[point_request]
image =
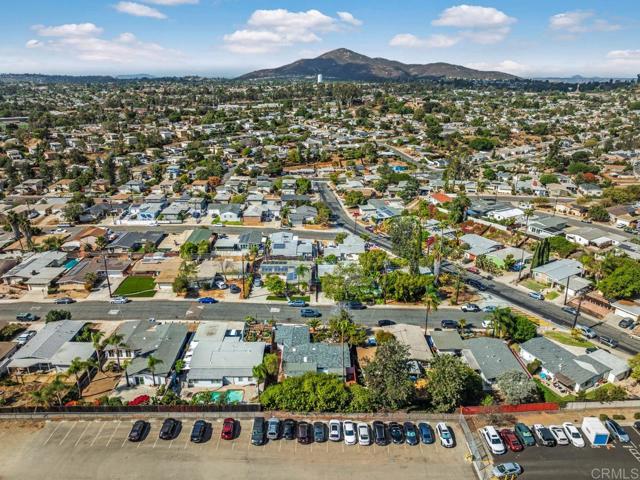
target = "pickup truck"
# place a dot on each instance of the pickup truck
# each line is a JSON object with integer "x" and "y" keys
{"x": 27, "y": 317}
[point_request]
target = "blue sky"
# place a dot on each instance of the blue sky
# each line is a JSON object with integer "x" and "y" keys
{"x": 229, "y": 37}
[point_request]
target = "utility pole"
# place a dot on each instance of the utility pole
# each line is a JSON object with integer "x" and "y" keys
{"x": 575, "y": 317}
{"x": 566, "y": 289}
{"x": 106, "y": 273}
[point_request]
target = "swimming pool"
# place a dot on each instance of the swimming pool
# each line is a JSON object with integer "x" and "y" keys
{"x": 233, "y": 396}
{"x": 71, "y": 263}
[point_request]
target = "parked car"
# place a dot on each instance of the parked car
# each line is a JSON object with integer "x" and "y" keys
{"x": 319, "y": 432}
{"x": 310, "y": 313}
{"x": 489, "y": 309}
{"x": 449, "y": 324}
{"x": 507, "y": 470}
{"x": 234, "y": 289}
{"x": 586, "y": 331}
{"x": 470, "y": 307}
{"x": 221, "y": 285}
{"x": 475, "y": 270}
{"x": 169, "y": 429}
{"x": 257, "y": 283}
{"x": 536, "y": 295}
{"x": 228, "y": 431}
{"x": 24, "y": 337}
{"x": 207, "y": 300}
{"x": 396, "y": 433}
{"x": 64, "y": 301}
{"x": 349, "y": 430}
{"x": 493, "y": 440}
{"x": 289, "y": 429}
{"x": 380, "y": 433}
{"x": 445, "y": 435}
{"x": 199, "y": 431}
{"x": 636, "y": 425}
{"x": 524, "y": 434}
{"x": 297, "y": 303}
{"x": 304, "y": 434}
{"x": 559, "y": 434}
{"x": 544, "y": 435}
{"x": 353, "y": 305}
{"x": 335, "y": 430}
{"x": 608, "y": 341}
{"x": 573, "y": 434}
{"x": 364, "y": 436}
{"x": 570, "y": 310}
{"x": 120, "y": 300}
{"x": 477, "y": 284}
{"x": 27, "y": 317}
{"x": 139, "y": 431}
{"x": 273, "y": 428}
{"x": 511, "y": 440}
{"x": 426, "y": 433}
{"x": 617, "y": 431}
{"x": 626, "y": 323}
{"x": 258, "y": 432}
{"x": 386, "y": 323}
{"x": 410, "y": 433}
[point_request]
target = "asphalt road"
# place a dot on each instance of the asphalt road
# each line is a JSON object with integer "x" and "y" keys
{"x": 187, "y": 310}
{"x": 518, "y": 298}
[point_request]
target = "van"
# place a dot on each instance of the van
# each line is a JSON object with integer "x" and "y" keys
{"x": 258, "y": 432}
{"x": 586, "y": 331}
{"x": 493, "y": 440}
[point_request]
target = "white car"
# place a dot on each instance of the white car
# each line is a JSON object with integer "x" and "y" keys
{"x": 487, "y": 324}
{"x": 558, "y": 433}
{"x": 364, "y": 438}
{"x": 445, "y": 436}
{"x": 335, "y": 430}
{"x": 119, "y": 300}
{"x": 575, "y": 437}
{"x": 59, "y": 231}
{"x": 493, "y": 440}
{"x": 349, "y": 431}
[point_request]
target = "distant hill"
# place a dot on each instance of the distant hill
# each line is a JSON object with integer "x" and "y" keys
{"x": 344, "y": 64}
{"x": 581, "y": 79}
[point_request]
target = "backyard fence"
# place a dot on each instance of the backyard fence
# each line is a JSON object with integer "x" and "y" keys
{"x": 106, "y": 409}
{"x": 526, "y": 407}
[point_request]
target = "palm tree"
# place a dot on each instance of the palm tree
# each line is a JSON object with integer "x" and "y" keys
{"x": 12, "y": 220}
{"x": 301, "y": 271}
{"x": 102, "y": 242}
{"x": 75, "y": 368}
{"x": 125, "y": 365}
{"x": 96, "y": 339}
{"x": 56, "y": 387}
{"x": 27, "y": 230}
{"x": 259, "y": 372}
{"x": 42, "y": 397}
{"x": 267, "y": 248}
{"x": 115, "y": 340}
{"x": 431, "y": 301}
{"x": 152, "y": 363}
{"x": 313, "y": 324}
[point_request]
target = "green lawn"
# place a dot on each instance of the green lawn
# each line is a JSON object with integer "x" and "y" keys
{"x": 550, "y": 395}
{"x": 535, "y": 286}
{"x": 567, "y": 339}
{"x": 552, "y": 295}
{"x": 137, "y": 287}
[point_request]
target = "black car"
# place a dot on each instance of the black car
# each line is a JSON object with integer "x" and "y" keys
{"x": 304, "y": 433}
{"x": 289, "y": 429}
{"x": 27, "y": 317}
{"x": 169, "y": 429}
{"x": 199, "y": 431}
{"x": 139, "y": 431}
{"x": 477, "y": 284}
{"x": 64, "y": 301}
{"x": 570, "y": 310}
{"x": 626, "y": 323}
{"x": 395, "y": 432}
{"x": 449, "y": 324}
{"x": 380, "y": 433}
{"x": 258, "y": 433}
{"x": 386, "y": 323}
{"x": 319, "y": 432}
{"x": 545, "y": 437}
{"x": 354, "y": 305}
{"x": 234, "y": 289}
{"x": 410, "y": 433}
{"x": 610, "y": 342}
{"x": 426, "y": 433}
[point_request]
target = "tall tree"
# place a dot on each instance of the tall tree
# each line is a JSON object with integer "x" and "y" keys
{"x": 387, "y": 376}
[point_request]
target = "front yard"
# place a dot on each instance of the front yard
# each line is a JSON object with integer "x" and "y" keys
{"x": 568, "y": 339}
{"x": 137, "y": 287}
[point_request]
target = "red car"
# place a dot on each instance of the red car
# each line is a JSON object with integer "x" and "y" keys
{"x": 228, "y": 429}
{"x": 473, "y": 270}
{"x": 510, "y": 440}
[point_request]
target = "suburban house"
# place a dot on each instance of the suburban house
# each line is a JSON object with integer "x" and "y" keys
{"x": 545, "y": 227}
{"x": 490, "y": 357}
{"x": 75, "y": 277}
{"x": 478, "y": 245}
{"x": 39, "y": 270}
{"x": 350, "y": 249}
{"x": 586, "y": 236}
{"x": 590, "y": 190}
{"x": 413, "y": 337}
{"x": 218, "y": 356}
{"x": 300, "y": 355}
{"x": 288, "y": 245}
{"x": 52, "y": 348}
{"x": 576, "y": 372}
{"x": 302, "y": 215}
{"x": 557, "y": 272}
{"x": 226, "y": 212}
{"x": 131, "y": 241}
{"x": 447, "y": 342}
{"x": 144, "y": 338}
{"x": 499, "y": 257}
{"x": 627, "y": 308}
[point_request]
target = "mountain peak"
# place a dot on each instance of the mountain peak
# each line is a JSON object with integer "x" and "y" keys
{"x": 344, "y": 54}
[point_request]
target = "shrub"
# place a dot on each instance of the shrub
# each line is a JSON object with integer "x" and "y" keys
{"x": 636, "y": 415}
{"x": 533, "y": 367}
{"x": 618, "y": 416}
{"x": 603, "y": 417}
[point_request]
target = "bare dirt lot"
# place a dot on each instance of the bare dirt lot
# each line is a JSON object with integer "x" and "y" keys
{"x": 97, "y": 449}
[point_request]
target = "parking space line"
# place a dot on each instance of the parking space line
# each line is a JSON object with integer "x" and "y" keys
{"x": 98, "y": 434}
{"x": 156, "y": 442}
{"x": 82, "y": 434}
{"x": 218, "y": 443}
{"x": 114, "y": 432}
{"x": 70, "y": 430}
{"x": 53, "y": 433}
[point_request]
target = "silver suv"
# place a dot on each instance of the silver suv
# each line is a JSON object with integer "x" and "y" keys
{"x": 273, "y": 428}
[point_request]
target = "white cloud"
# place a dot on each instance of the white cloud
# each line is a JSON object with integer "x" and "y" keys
{"x": 409, "y": 40}
{"x": 171, "y": 3}
{"x": 347, "y": 17}
{"x": 580, "y": 21}
{"x": 472, "y": 16}
{"x": 508, "y": 66}
{"x": 68, "y": 30}
{"x": 139, "y": 10}
{"x": 34, "y": 44}
{"x": 271, "y": 30}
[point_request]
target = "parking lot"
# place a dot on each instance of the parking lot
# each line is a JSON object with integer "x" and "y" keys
{"x": 616, "y": 460}
{"x": 80, "y": 449}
